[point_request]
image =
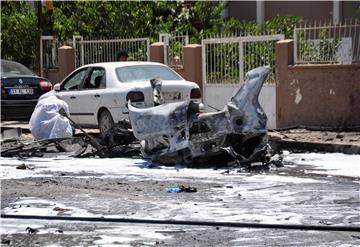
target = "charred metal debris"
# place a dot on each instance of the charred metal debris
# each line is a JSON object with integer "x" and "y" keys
{"x": 175, "y": 133}
{"x": 121, "y": 143}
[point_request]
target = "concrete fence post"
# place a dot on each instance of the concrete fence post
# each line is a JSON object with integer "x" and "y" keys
{"x": 157, "y": 52}
{"x": 283, "y": 58}
{"x": 284, "y": 54}
{"x": 193, "y": 64}
{"x": 66, "y": 55}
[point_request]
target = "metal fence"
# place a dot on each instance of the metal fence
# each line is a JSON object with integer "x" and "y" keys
{"x": 48, "y": 52}
{"x": 96, "y": 51}
{"x": 324, "y": 43}
{"x": 226, "y": 60}
{"x": 173, "y": 49}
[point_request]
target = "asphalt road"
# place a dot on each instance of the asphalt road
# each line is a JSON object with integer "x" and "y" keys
{"x": 311, "y": 189}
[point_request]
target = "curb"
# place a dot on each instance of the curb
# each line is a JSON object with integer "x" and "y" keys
{"x": 297, "y": 146}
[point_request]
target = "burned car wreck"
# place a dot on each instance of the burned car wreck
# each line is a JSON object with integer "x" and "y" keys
{"x": 179, "y": 132}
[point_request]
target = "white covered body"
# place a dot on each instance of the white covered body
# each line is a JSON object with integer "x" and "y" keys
{"x": 46, "y": 122}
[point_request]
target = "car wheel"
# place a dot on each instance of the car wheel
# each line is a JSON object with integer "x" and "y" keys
{"x": 106, "y": 122}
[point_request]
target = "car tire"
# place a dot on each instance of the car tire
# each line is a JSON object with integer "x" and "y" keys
{"x": 106, "y": 122}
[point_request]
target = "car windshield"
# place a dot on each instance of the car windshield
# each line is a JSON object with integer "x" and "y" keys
{"x": 137, "y": 73}
{"x": 11, "y": 68}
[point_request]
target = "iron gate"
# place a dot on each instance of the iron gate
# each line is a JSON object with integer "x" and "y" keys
{"x": 225, "y": 62}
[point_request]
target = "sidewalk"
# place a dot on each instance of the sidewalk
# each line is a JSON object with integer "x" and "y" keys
{"x": 316, "y": 141}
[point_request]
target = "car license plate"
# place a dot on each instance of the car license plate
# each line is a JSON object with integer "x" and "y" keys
{"x": 172, "y": 95}
{"x": 18, "y": 91}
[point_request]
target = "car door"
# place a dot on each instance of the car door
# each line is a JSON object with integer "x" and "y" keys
{"x": 69, "y": 91}
{"x": 90, "y": 95}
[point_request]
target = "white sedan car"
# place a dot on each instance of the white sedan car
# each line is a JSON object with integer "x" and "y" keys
{"x": 97, "y": 94}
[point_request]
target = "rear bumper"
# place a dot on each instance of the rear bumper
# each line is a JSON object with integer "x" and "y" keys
{"x": 17, "y": 109}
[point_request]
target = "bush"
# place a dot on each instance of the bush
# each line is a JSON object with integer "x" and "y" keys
{"x": 19, "y": 32}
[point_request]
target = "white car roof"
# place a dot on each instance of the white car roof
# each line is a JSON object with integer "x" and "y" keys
{"x": 121, "y": 64}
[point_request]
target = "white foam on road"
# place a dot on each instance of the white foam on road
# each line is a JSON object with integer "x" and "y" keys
{"x": 106, "y": 234}
{"x": 330, "y": 163}
{"x": 37, "y": 206}
{"x": 334, "y": 164}
{"x": 101, "y": 168}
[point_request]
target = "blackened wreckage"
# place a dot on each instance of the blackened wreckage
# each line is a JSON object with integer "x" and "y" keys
{"x": 179, "y": 133}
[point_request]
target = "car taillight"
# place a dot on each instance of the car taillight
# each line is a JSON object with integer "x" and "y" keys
{"x": 45, "y": 85}
{"x": 195, "y": 93}
{"x": 2, "y": 89}
{"x": 135, "y": 96}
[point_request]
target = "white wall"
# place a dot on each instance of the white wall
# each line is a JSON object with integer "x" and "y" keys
{"x": 218, "y": 95}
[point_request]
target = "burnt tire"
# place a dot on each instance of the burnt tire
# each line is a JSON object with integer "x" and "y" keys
{"x": 106, "y": 122}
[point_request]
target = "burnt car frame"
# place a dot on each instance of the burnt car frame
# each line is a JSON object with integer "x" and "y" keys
{"x": 179, "y": 133}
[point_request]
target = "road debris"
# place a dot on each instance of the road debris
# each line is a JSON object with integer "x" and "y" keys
{"x": 119, "y": 142}
{"x": 78, "y": 147}
{"x": 23, "y": 166}
{"x": 31, "y": 230}
{"x": 11, "y": 134}
{"x": 181, "y": 188}
{"x": 188, "y": 189}
{"x": 174, "y": 190}
{"x": 24, "y": 149}
{"x": 101, "y": 150}
{"x": 60, "y": 210}
{"x": 5, "y": 241}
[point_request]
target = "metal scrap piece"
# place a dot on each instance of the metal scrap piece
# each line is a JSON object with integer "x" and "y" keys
{"x": 22, "y": 149}
{"x": 13, "y": 133}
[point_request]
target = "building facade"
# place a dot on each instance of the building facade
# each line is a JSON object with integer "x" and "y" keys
{"x": 261, "y": 11}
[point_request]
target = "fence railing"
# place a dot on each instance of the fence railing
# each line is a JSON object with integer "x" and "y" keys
{"x": 226, "y": 60}
{"x": 324, "y": 43}
{"x": 173, "y": 49}
{"x": 96, "y": 51}
{"x": 48, "y": 52}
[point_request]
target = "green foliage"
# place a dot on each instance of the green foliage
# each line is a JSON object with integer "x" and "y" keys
{"x": 116, "y": 19}
{"x": 277, "y": 25}
{"x": 18, "y": 32}
{"x": 322, "y": 50}
{"x": 122, "y": 19}
{"x": 206, "y": 19}
{"x": 110, "y": 19}
{"x": 282, "y": 25}
{"x": 240, "y": 28}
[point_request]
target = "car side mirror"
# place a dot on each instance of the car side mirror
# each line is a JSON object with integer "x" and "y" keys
{"x": 57, "y": 87}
